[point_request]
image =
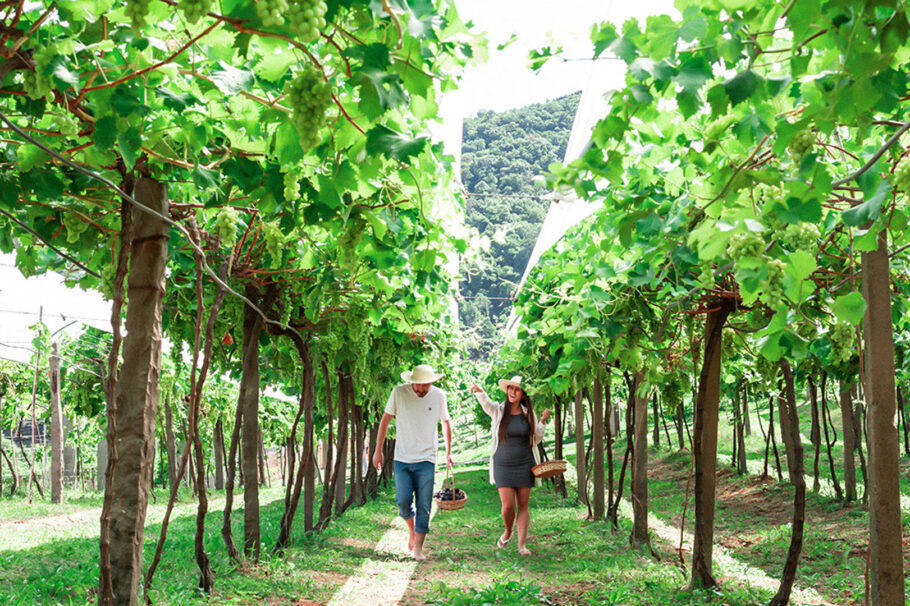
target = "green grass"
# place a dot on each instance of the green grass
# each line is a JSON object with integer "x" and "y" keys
{"x": 575, "y": 561}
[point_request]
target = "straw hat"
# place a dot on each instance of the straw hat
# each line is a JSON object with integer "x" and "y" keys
{"x": 514, "y": 381}
{"x": 422, "y": 373}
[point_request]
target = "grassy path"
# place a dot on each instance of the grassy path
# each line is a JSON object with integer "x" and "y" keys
{"x": 360, "y": 559}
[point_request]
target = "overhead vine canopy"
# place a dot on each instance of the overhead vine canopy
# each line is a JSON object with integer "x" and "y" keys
{"x": 294, "y": 136}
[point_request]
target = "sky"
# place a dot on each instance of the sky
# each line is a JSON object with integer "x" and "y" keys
{"x": 504, "y": 82}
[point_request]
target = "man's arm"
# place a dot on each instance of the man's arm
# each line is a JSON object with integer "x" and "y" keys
{"x": 380, "y": 440}
{"x": 447, "y": 434}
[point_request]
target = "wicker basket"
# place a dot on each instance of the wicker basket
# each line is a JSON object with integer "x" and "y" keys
{"x": 548, "y": 469}
{"x": 454, "y": 504}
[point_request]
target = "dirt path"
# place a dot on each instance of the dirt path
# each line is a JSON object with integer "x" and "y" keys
{"x": 61, "y": 522}
{"x": 384, "y": 579}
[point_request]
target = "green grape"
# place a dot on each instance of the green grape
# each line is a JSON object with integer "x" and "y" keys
{"x": 807, "y": 330}
{"x": 274, "y": 242}
{"x": 901, "y": 177}
{"x": 291, "y": 185}
{"x": 226, "y": 223}
{"x": 36, "y": 83}
{"x": 773, "y": 285}
{"x": 706, "y": 277}
{"x": 138, "y": 11}
{"x": 106, "y": 284}
{"x": 802, "y": 236}
{"x": 714, "y": 129}
{"x": 67, "y": 124}
{"x": 347, "y": 243}
{"x": 307, "y": 17}
{"x": 630, "y": 358}
{"x": 287, "y": 305}
{"x": 74, "y": 227}
{"x": 842, "y": 337}
{"x": 271, "y": 12}
{"x": 801, "y": 144}
{"x": 309, "y": 96}
{"x": 194, "y": 10}
{"x": 745, "y": 245}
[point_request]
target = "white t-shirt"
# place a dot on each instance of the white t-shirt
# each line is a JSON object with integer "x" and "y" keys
{"x": 416, "y": 422}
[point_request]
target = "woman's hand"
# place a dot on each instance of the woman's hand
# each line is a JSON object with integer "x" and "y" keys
{"x": 545, "y": 415}
{"x": 476, "y": 388}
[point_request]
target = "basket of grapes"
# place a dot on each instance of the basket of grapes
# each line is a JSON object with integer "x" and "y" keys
{"x": 449, "y": 497}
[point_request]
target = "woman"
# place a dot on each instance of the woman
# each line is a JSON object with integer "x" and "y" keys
{"x": 516, "y": 434}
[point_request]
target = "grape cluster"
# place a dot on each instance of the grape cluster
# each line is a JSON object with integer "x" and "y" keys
{"x": 745, "y": 245}
{"x": 347, "y": 243}
{"x": 307, "y": 17}
{"x": 291, "y": 185}
{"x": 842, "y": 336}
{"x": 67, "y": 124}
{"x": 449, "y": 494}
{"x": 773, "y": 285}
{"x": 801, "y": 144}
{"x": 274, "y": 242}
{"x": 138, "y": 11}
{"x": 309, "y": 96}
{"x": 801, "y": 236}
{"x": 630, "y": 359}
{"x": 74, "y": 227}
{"x": 226, "y": 222}
{"x": 194, "y": 10}
{"x": 271, "y": 12}
{"x": 902, "y": 175}
{"x": 36, "y": 83}
{"x": 106, "y": 284}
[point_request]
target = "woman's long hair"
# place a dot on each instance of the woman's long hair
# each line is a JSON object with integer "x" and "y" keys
{"x": 529, "y": 415}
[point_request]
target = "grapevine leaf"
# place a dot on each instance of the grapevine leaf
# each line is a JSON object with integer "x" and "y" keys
{"x": 663, "y": 31}
{"x": 29, "y": 156}
{"x": 231, "y": 80}
{"x": 287, "y": 144}
{"x": 275, "y": 60}
{"x": 385, "y": 141}
{"x": 741, "y": 86}
{"x": 624, "y": 49}
{"x": 850, "y": 307}
{"x": 801, "y": 264}
{"x": 379, "y": 91}
{"x": 206, "y": 178}
{"x": 603, "y": 36}
{"x": 870, "y": 209}
{"x": 693, "y": 74}
{"x": 129, "y": 146}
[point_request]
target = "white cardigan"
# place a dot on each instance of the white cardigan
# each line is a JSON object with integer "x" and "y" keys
{"x": 496, "y": 410}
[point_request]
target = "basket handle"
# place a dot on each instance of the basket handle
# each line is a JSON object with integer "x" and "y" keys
{"x": 450, "y": 477}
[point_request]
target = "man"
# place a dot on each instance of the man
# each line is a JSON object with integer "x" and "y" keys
{"x": 418, "y": 406}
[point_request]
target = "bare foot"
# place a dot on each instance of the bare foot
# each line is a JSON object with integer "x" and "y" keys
{"x": 411, "y": 540}
{"x": 419, "y": 555}
{"x": 524, "y": 550}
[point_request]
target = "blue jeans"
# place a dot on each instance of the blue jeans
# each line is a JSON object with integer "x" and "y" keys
{"x": 414, "y": 482}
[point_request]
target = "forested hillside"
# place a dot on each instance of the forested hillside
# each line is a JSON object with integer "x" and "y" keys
{"x": 501, "y": 155}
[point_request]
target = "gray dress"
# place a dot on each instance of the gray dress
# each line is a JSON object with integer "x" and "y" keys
{"x": 513, "y": 459}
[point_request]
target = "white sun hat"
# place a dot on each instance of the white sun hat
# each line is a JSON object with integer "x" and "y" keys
{"x": 514, "y": 381}
{"x": 422, "y": 373}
